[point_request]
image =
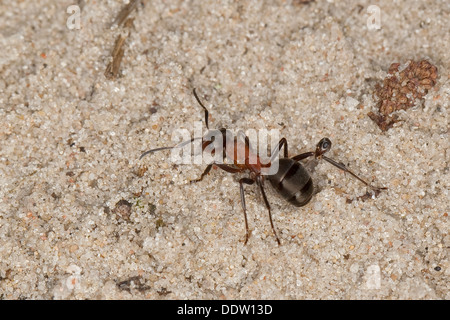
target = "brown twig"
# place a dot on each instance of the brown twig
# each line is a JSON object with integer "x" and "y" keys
{"x": 112, "y": 70}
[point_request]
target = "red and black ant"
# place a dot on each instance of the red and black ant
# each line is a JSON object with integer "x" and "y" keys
{"x": 292, "y": 181}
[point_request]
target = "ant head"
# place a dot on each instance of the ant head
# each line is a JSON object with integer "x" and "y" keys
{"x": 322, "y": 147}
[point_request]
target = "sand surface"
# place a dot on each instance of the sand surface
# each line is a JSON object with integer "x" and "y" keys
{"x": 81, "y": 217}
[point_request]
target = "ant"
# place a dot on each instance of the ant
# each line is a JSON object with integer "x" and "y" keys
{"x": 292, "y": 181}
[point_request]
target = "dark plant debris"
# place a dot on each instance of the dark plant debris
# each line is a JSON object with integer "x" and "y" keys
{"x": 123, "y": 209}
{"x": 368, "y": 195}
{"x": 135, "y": 282}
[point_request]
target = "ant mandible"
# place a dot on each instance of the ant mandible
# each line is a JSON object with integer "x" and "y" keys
{"x": 292, "y": 181}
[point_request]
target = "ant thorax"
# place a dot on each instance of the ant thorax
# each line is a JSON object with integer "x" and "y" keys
{"x": 248, "y": 151}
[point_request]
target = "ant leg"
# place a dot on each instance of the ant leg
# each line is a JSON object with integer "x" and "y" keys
{"x": 228, "y": 168}
{"x": 207, "y": 170}
{"x": 204, "y": 108}
{"x": 224, "y": 167}
{"x": 344, "y": 168}
{"x": 261, "y": 186}
{"x": 241, "y": 184}
{"x": 246, "y": 139}
{"x": 282, "y": 143}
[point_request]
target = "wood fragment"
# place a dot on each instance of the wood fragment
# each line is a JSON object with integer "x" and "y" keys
{"x": 125, "y": 12}
{"x": 122, "y": 19}
{"x": 112, "y": 70}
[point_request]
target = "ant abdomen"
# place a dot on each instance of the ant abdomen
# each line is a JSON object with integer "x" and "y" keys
{"x": 292, "y": 182}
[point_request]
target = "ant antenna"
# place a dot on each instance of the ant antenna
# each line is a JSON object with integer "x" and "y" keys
{"x": 182, "y": 144}
{"x": 204, "y": 108}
